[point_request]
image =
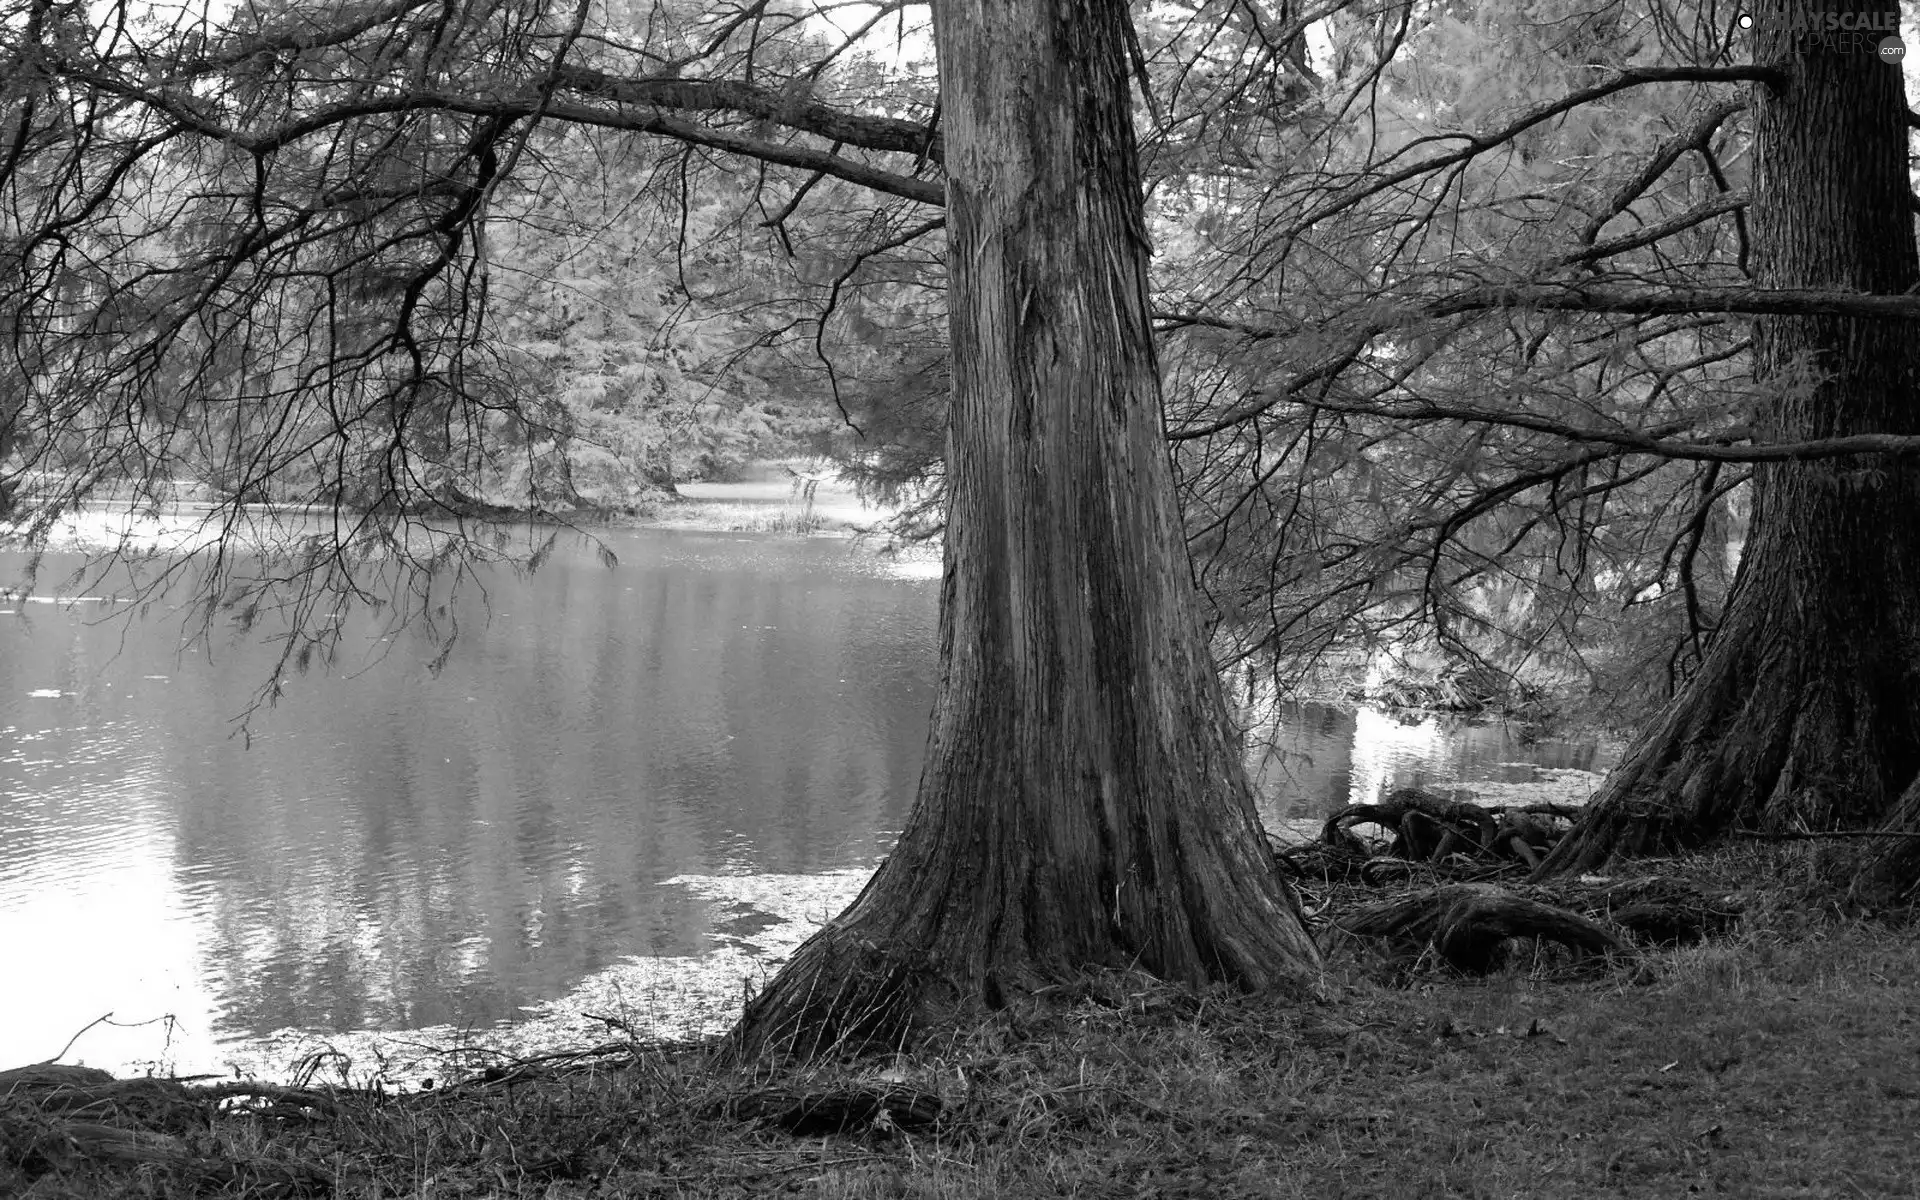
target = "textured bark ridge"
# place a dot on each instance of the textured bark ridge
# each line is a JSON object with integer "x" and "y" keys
{"x": 1083, "y": 803}
{"x": 1806, "y": 710}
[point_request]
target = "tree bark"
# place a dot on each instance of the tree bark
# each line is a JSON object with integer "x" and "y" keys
{"x": 1082, "y": 804}
{"x": 1806, "y": 710}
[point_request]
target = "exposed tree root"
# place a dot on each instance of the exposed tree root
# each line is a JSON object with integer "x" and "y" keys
{"x": 1424, "y": 824}
{"x": 1431, "y": 834}
{"x": 1467, "y": 923}
{"x": 1659, "y": 909}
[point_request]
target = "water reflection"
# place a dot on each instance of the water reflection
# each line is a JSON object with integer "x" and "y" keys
{"x": 398, "y": 849}
{"x": 1309, "y": 760}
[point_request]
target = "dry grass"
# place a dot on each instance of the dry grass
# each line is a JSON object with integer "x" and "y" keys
{"x": 1779, "y": 1063}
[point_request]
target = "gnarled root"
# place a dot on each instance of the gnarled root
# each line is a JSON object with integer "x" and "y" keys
{"x": 1424, "y": 825}
{"x": 1466, "y": 923}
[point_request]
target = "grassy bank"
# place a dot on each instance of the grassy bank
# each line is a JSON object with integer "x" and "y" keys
{"x": 1783, "y": 1060}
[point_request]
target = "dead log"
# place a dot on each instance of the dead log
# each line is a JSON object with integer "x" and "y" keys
{"x": 1467, "y": 923}
{"x": 41, "y": 1145}
{"x": 36, "y": 1079}
{"x": 72, "y": 1145}
{"x": 87, "y": 1094}
{"x": 68, "y": 1120}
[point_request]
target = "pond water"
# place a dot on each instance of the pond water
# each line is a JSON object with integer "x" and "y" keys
{"x": 626, "y": 791}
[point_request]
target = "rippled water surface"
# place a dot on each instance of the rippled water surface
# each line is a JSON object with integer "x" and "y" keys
{"x": 625, "y": 790}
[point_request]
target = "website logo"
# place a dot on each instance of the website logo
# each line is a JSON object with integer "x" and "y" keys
{"x": 1876, "y": 34}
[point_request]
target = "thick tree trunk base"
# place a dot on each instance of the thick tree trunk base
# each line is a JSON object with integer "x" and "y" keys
{"x": 844, "y": 995}
{"x": 1775, "y": 733}
{"x": 1619, "y": 833}
{"x": 869, "y": 983}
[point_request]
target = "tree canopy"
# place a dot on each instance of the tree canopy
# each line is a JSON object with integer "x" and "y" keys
{"x": 1453, "y": 300}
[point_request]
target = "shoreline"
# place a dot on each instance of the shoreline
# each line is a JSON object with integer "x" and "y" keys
{"x": 190, "y": 526}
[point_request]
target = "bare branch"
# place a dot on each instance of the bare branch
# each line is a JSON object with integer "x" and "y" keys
{"x": 1694, "y": 137}
{"x": 261, "y": 143}
{"x": 1658, "y": 301}
{"x": 1477, "y": 144}
{"x": 726, "y": 95}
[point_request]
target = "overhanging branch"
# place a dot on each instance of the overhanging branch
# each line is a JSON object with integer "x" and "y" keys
{"x": 1664, "y": 301}
{"x": 1626, "y": 300}
{"x": 726, "y": 95}
{"x": 1575, "y": 297}
{"x": 190, "y": 115}
{"x": 1731, "y": 445}
{"x": 1472, "y": 145}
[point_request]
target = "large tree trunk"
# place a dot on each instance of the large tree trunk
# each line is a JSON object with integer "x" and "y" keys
{"x": 1806, "y": 709}
{"x": 1082, "y": 804}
